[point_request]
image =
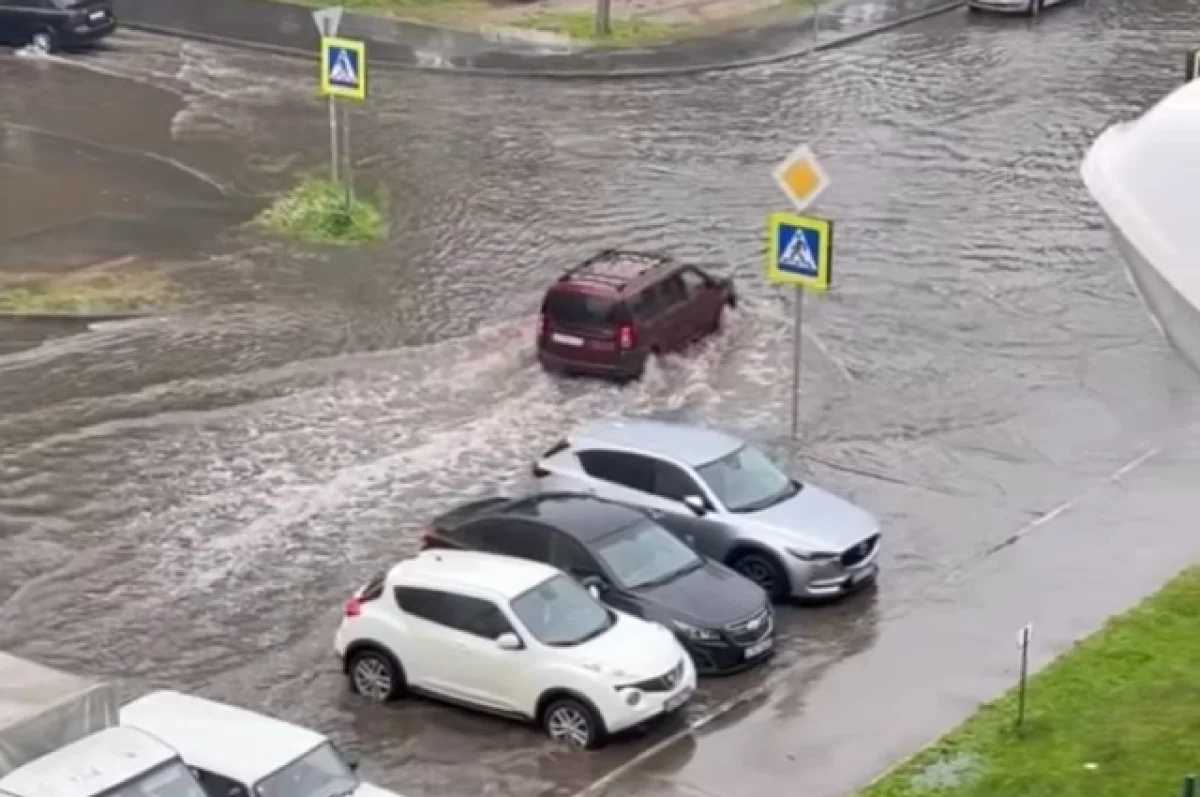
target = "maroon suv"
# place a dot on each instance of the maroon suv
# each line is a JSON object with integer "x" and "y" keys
{"x": 606, "y": 316}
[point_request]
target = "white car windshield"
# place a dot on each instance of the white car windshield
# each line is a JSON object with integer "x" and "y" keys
{"x": 321, "y": 773}
{"x": 645, "y": 555}
{"x": 746, "y": 480}
{"x": 561, "y": 613}
{"x": 172, "y": 779}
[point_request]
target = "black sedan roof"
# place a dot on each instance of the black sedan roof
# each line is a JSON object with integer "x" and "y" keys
{"x": 583, "y": 517}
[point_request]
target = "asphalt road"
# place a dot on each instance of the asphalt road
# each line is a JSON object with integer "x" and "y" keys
{"x": 187, "y": 501}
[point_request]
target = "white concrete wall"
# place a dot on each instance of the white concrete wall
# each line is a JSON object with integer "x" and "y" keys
{"x": 1145, "y": 176}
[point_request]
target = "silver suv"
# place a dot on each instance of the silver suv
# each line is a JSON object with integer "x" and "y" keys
{"x": 726, "y": 499}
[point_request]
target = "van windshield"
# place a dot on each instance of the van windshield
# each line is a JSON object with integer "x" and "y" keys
{"x": 172, "y": 779}
{"x": 581, "y": 309}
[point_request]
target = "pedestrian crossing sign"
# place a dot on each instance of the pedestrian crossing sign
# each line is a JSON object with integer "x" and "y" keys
{"x": 343, "y": 68}
{"x": 800, "y": 251}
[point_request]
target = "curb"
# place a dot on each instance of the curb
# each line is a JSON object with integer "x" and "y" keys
{"x": 616, "y": 74}
{"x": 69, "y": 318}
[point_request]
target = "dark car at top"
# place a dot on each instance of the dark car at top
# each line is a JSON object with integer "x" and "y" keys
{"x": 608, "y": 315}
{"x": 631, "y": 563}
{"x": 51, "y": 25}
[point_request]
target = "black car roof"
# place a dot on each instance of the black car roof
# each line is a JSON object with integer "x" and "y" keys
{"x": 584, "y": 517}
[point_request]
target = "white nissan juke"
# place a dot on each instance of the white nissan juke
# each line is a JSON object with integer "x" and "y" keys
{"x": 510, "y": 637}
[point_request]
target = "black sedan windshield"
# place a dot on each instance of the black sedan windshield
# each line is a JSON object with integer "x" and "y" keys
{"x": 561, "y": 613}
{"x": 645, "y": 554}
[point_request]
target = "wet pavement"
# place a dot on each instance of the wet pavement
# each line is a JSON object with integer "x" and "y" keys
{"x": 187, "y": 501}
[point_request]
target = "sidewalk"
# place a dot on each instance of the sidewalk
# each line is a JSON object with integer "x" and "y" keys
{"x": 828, "y": 733}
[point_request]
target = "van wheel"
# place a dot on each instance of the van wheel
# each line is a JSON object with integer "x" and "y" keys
{"x": 572, "y": 723}
{"x": 764, "y": 571}
{"x": 376, "y": 675}
{"x": 44, "y": 41}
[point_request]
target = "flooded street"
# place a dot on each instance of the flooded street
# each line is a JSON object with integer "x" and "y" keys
{"x": 187, "y": 501}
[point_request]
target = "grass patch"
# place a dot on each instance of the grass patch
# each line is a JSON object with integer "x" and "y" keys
{"x": 88, "y": 293}
{"x": 316, "y": 211}
{"x": 1118, "y": 716}
{"x": 582, "y": 26}
{"x": 433, "y": 11}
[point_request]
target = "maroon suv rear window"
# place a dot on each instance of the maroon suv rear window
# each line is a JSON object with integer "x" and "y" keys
{"x": 581, "y": 309}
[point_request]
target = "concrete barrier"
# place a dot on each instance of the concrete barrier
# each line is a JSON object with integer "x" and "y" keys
{"x": 289, "y": 29}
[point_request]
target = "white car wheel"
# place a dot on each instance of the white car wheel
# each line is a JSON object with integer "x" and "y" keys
{"x": 374, "y": 676}
{"x": 573, "y": 724}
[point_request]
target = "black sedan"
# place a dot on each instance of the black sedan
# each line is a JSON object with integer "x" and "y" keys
{"x": 49, "y": 25}
{"x": 631, "y": 563}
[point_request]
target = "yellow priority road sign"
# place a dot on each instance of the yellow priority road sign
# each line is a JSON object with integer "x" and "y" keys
{"x": 801, "y": 177}
{"x": 343, "y": 68}
{"x": 799, "y": 251}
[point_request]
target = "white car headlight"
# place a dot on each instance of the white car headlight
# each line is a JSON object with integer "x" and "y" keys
{"x": 692, "y": 632}
{"x": 812, "y": 556}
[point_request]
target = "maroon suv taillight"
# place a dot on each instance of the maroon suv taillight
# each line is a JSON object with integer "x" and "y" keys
{"x": 541, "y": 325}
{"x": 625, "y": 337}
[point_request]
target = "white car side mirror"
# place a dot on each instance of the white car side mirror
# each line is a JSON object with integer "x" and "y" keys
{"x": 696, "y": 504}
{"x": 509, "y": 641}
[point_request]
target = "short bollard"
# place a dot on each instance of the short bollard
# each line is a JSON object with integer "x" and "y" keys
{"x": 1189, "y": 786}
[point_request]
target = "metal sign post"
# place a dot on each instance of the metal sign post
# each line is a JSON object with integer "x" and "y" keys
{"x": 1024, "y": 637}
{"x": 348, "y": 171}
{"x": 344, "y": 75}
{"x": 797, "y": 340}
{"x": 799, "y": 253}
{"x": 328, "y": 20}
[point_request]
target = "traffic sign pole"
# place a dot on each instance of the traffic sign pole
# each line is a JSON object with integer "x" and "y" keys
{"x": 327, "y": 21}
{"x": 348, "y": 170}
{"x": 797, "y": 340}
{"x": 333, "y": 138}
{"x": 799, "y": 252}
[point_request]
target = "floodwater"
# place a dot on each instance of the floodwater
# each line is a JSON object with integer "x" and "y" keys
{"x": 187, "y": 501}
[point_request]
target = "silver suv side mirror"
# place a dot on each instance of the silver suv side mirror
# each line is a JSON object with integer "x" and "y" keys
{"x": 696, "y": 504}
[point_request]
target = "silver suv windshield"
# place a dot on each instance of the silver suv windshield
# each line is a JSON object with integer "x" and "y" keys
{"x": 746, "y": 480}
{"x": 321, "y": 773}
{"x": 561, "y": 613}
{"x": 172, "y": 779}
{"x": 645, "y": 554}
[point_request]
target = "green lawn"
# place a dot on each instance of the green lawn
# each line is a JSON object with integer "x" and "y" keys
{"x": 446, "y": 12}
{"x": 85, "y": 293}
{"x": 319, "y": 210}
{"x": 1118, "y": 716}
{"x": 582, "y": 26}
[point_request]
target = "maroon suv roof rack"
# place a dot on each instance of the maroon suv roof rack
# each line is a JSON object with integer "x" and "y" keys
{"x": 616, "y": 267}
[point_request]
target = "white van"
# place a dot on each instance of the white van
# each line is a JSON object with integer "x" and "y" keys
{"x": 114, "y": 762}
{"x": 234, "y": 752}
